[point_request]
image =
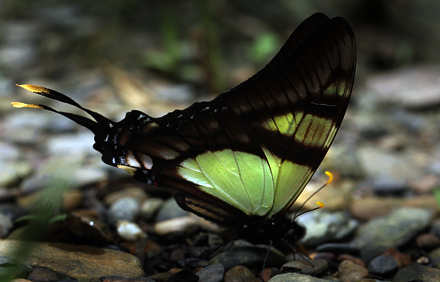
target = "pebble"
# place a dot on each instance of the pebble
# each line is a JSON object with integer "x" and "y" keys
{"x": 211, "y": 273}
{"x": 383, "y": 266}
{"x": 133, "y": 192}
{"x": 178, "y": 226}
{"x": 289, "y": 277}
{"x": 349, "y": 271}
{"x": 239, "y": 273}
{"x": 88, "y": 228}
{"x": 126, "y": 208}
{"x": 150, "y": 207}
{"x": 169, "y": 210}
{"x": 388, "y": 186}
{"x": 11, "y": 210}
{"x": 249, "y": 256}
{"x": 417, "y": 272}
{"x": 312, "y": 267}
{"x": 401, "y": 225}
{"x": 427, "y": 241}
{"x": 8, "y": 151}
{"x": 130, "y": 231}
{"x": 5, "y": 225}
{"x": 324, "y": 226}
{"x": 83, "y": 263}
{"x": 39, "y": 274}
{"x": 13, "y": 171}
{"x": 339, "y": 248}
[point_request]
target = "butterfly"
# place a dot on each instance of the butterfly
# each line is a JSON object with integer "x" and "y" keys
{"x": 242, "y": 159}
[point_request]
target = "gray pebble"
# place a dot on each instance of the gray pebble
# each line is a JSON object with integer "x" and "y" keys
{"x": 123, "y": 209}
{"x": 323, "y": 227}
{"x": 394, "y": 230}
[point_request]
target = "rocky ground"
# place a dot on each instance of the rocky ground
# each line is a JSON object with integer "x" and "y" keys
{"x": 65, "y": 216}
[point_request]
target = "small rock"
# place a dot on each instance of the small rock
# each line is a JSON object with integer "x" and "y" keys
{"x": 249, "y": 256}
{"x": 402, "y": 259}
{"x": 378, "y": 235}
{"x": 313, "y": 267}
{"x": 239, "y": 273}
{"x": 11, "y": 210}
{"x": 5, "y": 225}
{"x": 130, "y": 231}
{"x": 427, "y": 241}
{"x": 126, "y": 208}
{"x": 211, "y": 273}
{"x": 354, "y": 259}
{"x": 180, "y": 225}
{"x": 417, "y": 272}
{"x": 323, "y": 227}
{"x": 349, "y": 271}
{"x": 384, "y": 266}
{"x": 388, "y": 186}
{"x": 88, "y": 228}
{"x": 339, "y": 248}
{"x": 289, "y": 277}
{"x": 135, "y": 193}
{"x": 150, "y": 207}
{"x": 8, "y": 151}
{"x": 83, "y": 263}
{"x": 39, "y": 274}
{"x": 13, "y": 171}
{"x": 124, "y": 279}
{"x": 169, "y": 210}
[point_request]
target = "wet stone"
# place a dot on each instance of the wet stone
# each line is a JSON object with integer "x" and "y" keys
{"x": 123, "y": 209}
{"x": 339, "y": 248}
{"x": 323, "y": 227}
{"x": 88, "y": 228}
{"x": 39, "y": 274}
{"x": 401, "y": 225}
{"x": 211, "y": 273}
{"x": 249, "y": 256}
{"x": 417, "y": 272}
{"x": 384, "y": 266}
{"x": 312, "y": 267}
{"x": 349, "y": 271}
{"x": 130, "y": 231}
{"x": 150, "y": 207}
{"x": 169, "y": 210}
{"x": 239, "y": 273}
{"x": 5, "y": 225}
{"x": 427, "y": 241}
{"x": 289, "y": 277}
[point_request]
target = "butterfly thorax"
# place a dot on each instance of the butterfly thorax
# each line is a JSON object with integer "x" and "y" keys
{"x": 258, "y": 231}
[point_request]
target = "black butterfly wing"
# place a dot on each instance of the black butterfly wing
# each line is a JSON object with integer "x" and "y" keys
{"x": 250, "y": 151}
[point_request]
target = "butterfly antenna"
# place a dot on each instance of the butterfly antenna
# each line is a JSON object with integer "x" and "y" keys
{"x": 52, "y": 94}
{"x": 295, "y": 252}
{"x": 267, "y": 254}
{"x": 320, "y": 204}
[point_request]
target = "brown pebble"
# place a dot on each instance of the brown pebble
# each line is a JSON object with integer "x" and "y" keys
{"x": 324, "y": 255}
{"x": 39, "y": 274}
{"x": 269, "y": 272}
{"x": 402, "y": 259}
{"x": 72, "y": 199}
{"x": 239, "y": 274}
{"x": 352, "y": 258}
{"x": 350, "y": 272}
{"x": 427, "y": 241}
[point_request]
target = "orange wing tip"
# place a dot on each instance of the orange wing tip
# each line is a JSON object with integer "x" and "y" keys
{"x": 24, "y": 105}
{"x": 320, "y": 204}
{"x": 34, "y": 88}
{"x": 330, "y": 177}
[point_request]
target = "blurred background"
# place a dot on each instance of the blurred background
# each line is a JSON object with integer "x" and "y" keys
{"x": 156, "y": 56}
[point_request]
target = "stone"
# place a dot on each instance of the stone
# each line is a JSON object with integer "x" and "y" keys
{"x": 82, "y": 263}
